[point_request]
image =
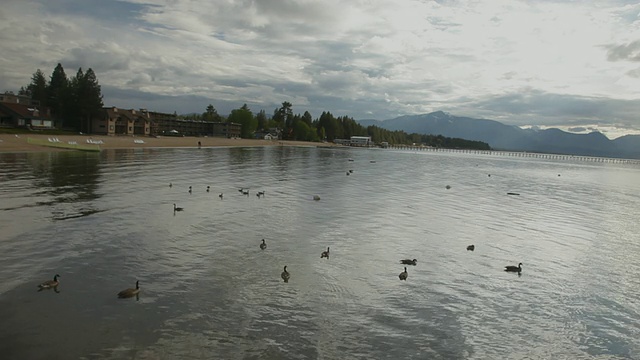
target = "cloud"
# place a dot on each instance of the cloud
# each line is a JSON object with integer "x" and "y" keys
{"x": 518, "y": 62}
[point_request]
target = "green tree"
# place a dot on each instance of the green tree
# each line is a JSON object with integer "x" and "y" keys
{"x": 244, "y": 117}
{"x": 58, "y": 93}
{"x": 211, "y": 114}
{"x": 262, "y": 120}
{"x": 38, "y": 88}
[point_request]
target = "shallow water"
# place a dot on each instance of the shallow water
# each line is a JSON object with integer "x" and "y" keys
{"x": 103, "y": 221}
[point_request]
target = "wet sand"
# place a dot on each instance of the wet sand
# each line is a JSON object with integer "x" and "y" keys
{"x": 13, "y": 143}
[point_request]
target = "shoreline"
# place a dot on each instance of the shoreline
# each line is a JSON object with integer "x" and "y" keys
{"x": 10, "y": 143}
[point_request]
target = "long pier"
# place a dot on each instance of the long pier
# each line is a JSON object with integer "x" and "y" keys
{"x": 523, "y": 154}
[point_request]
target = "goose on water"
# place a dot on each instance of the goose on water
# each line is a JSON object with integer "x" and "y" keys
{"x": 325, "y": 254}
{"x": 409, "y": 261}
{"x": 127, "y": 293}
{"x": 403, "y": 275}
{"x": 263, "y": 245}
{"x": 511, "y": 268}
{"x": 285, "y": 275}
{"x": 176, "y": 208}
{"x": 50, "y": 283}
{"x": 471, "y": 247}
{"x": 207, "y": 188}
{"x": 220, "y": 196}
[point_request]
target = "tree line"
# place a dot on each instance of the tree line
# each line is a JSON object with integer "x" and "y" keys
{"x": 73, "y": 101}
{"x": 327, "y": 127}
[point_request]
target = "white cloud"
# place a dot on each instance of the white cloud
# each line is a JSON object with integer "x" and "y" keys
{"x": 520, "y": 62}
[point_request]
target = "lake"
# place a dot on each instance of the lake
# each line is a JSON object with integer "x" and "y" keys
{"x": 102, "y": 221}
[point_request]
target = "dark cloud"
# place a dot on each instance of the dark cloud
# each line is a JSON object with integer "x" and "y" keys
{"x": 629, "y": 52}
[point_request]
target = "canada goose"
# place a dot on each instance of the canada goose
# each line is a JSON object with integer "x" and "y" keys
{"x": 50, "y": 283}
{"x": 316, "y": 197}
{"x": 403, "y": 275}
{"x": 261, "y": 193}
{"x": 351, "y": 171}
{"x": 409, "y": 262}
{"x": 511, "y": 268}
{"x": 175, "y": 208}
{"x": 220, "y": 196}
{"x": 127, "y": 293}
{"x": 170, "y": 184}
{"x": 471, "y": 247}
{"x": 207, "y": 188}
{"x": 241, "y": 190}
{"x": 245, "y": 192}
{"x": 190, "y": 190}
{"x": 263, "y": 245}
{"x": 325, "y": 254}
{"x": 348, "y": 173}
{"x": 285, "y": 275}
{"x": 448, "y": 187}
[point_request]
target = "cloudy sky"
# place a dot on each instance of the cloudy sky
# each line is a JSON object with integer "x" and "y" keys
{"x": 571, "y": 64}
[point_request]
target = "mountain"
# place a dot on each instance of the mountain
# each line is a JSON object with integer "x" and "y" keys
{"x": 508, "y": 137}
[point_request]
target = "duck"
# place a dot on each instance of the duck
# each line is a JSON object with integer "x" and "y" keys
{"x": 409, "y": 261}
{"x": 221, "y": 195}
{"x": 207, "y": 188}
{"x": 50, "y": 283}
{"x": 176, "y": 208}
{"x": 285, "y": 275}
{"x": 403, "y": 275}
{"x": 263, "y": 245}
{"x": 127, "y": 293}
{"x": 471, "y": 247}
{"x": 325, "y": 254}
{"x": 511, "y": 268}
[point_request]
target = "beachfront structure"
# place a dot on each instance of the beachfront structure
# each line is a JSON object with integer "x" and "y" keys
{"x": 26, "y": 115}
{"x": 115, "y": 121}
{"x": 360, "y": 140}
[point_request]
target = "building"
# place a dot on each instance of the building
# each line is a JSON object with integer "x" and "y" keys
{"x": 360, "y": 141}
{"x": 114, "y": 121}
{"x": 23, "y": 115}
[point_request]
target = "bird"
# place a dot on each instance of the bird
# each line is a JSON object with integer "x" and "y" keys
{"x": 220, "y": 196}
{"x": 263, "y": 245}
{"x": 285, "y": 275}
{"x": 245, "y": 192}
{"x": 348, "y": 173}
{"x": 351, "y": 171}
{"x": 448, "y": 187}
{"x": 207, "y": 188}
{"x": 176, "y": 208}
{"x": 511, "y": 268}
{"x": 189, "y": 189}
{"x": 241, "y": 190}
{"x": 50, "y": 283}
{"x": 316, "y": 197}
{"x": 403, "y": 275}
{"x": 325, "y": 254}
{"x": 170, "y": 185}
{"x": 127, "y": 293}
{"x": 471, "y": 247}
{"x": 409, "y": 261}
{"x": 261, "y": 193}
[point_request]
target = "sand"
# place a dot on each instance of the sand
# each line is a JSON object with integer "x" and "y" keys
{"x": 18, "y": 143}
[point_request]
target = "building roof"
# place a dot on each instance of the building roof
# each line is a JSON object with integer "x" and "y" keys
{"x": 23, "y": 111}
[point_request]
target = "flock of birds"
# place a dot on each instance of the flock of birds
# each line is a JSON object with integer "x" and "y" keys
{"x": 285, "y": 275}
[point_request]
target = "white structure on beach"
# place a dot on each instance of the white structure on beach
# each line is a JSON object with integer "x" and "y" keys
{"x": 360, "y": 140}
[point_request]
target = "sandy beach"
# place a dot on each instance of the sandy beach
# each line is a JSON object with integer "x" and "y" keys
{"x": 18, "y": 143}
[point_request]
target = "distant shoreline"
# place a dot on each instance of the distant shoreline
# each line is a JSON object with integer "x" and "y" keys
{"x": 18, "y": 143}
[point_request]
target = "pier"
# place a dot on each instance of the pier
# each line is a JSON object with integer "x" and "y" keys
{"x": 523, "y": 154}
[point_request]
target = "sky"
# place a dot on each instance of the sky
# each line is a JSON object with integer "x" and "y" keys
{"x": 574, "y": 65}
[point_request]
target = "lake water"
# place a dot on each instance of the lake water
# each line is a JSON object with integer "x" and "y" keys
{"x": 103, "y": 221}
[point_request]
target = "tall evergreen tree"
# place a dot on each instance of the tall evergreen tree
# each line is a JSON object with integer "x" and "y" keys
{"x": 38, "y": 88}
{"x": 262, "y": 120}
{"x": 58, "y": 93}
{"x": 89, "y": 99}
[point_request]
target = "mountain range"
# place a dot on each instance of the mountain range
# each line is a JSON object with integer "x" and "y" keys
{"x": 510, "y": 137}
